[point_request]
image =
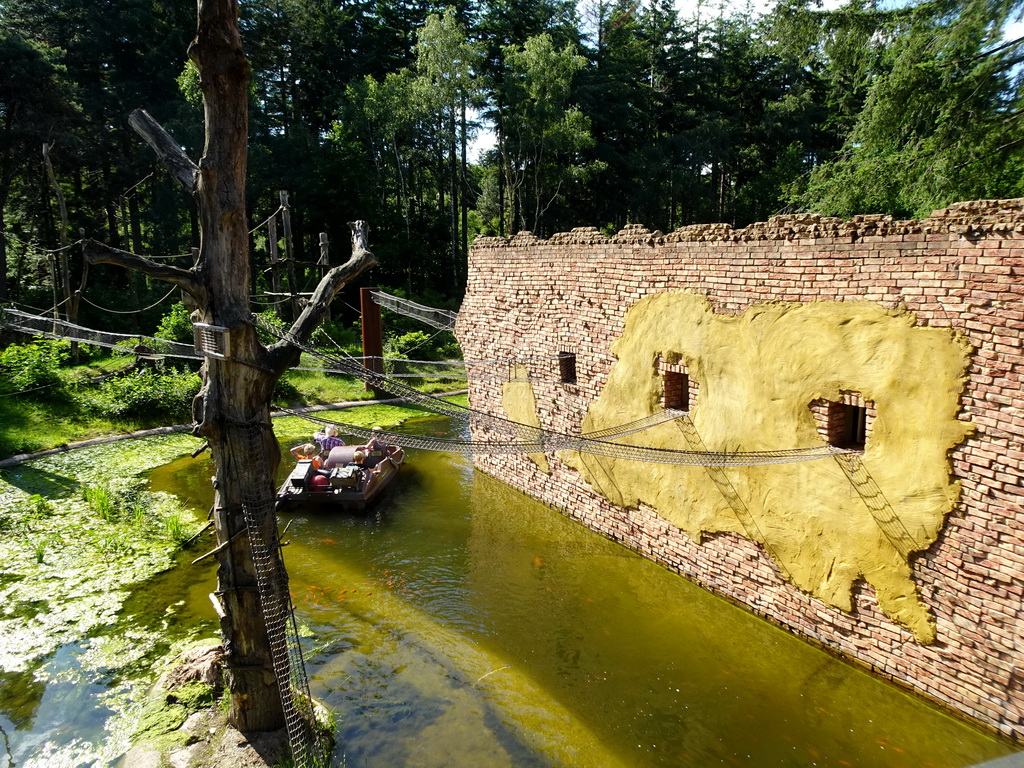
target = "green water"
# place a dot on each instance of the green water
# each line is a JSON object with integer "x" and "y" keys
{"x": 462, "y": 624}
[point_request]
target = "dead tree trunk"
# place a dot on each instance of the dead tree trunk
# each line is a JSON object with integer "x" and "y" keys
{"x": 232, "y": 410}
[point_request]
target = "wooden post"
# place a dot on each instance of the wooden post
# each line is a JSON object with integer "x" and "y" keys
{"x": 286, "y": 226}
{"x": 373, "y": 341}
{"x": 323, "y": 262}
{"x": 275, "y": 261}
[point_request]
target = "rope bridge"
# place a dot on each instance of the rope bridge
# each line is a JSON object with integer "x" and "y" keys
{"x": 523, "y": 438}
{"x": 441, "y": 319}
{"x": 54, "y": 328}
{"x": 527, "y": 438}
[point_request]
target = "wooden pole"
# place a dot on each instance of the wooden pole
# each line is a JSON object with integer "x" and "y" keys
{"x": 286, "y": 227}
{"x": 324, "y": 261}
{"x": 275, "y": 261}
{"x": 373, "y": 341}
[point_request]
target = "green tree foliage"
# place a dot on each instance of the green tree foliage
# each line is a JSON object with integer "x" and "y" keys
{"x": 543, "y": 132}
{"x": 445, "y": 89}
{"x": 603, "y": 114}
{"x": 106, "y": 59}
{"x": 36, "y": 107}
{"x": 415, "y": 123}
{"x": 941, "y": 114}
{"x": 176, "y": 325}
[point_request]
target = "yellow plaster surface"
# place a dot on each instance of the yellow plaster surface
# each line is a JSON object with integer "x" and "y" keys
{"x": 757, "y": 373}
{"x": 520, "y": 405}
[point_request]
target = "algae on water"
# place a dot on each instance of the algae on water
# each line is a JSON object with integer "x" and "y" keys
{"x": 69, "y": 569}
{"x": 59, "y": 552}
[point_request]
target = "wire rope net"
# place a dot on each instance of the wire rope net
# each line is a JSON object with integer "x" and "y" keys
{"x": 527, "y": 438}
{"x": 442, "y": 319}
{"x": 308, "y": 742}
{"x": 62, "y": 329}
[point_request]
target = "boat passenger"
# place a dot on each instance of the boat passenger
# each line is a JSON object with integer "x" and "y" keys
{"x": 307, "y": 452}
{"x": 359, "y": 460}
{"x": 377, "y": 441}
{"x": 328, "y": 439}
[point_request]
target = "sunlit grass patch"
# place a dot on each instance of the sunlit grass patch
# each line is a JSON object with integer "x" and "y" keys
{"x": 315, "y": 387}
{"x": 388, "y": 417}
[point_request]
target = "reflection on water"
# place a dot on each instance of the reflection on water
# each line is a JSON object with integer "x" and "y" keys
{"x": 463, "y": 624}
{"x": 459, "y": 624}
{"x": 67, "y": 710}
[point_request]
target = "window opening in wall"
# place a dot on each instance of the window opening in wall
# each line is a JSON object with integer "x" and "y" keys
{"x": 677, "y": 390}
{"x": 852, "y": 427}
{"x": 567, "y": 367}
{"x": 844, "y": 424}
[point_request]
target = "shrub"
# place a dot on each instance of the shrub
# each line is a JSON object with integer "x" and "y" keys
{"x": 400, "y": 347}
{"x": 348, "y": 337}
{"x": 176, "y": 325}
{"x": 164, "y": 395}
{"x": 268, "y": 318}
{"x": 286, "y": 393}
{"x": 34, "y": 366}
{"x": 124, "y": 348}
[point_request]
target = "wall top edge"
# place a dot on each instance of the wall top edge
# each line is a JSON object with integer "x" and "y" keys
{"x": 967, "y": 219}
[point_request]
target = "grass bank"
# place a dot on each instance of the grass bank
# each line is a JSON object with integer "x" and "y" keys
{"x": 79, "y": 407}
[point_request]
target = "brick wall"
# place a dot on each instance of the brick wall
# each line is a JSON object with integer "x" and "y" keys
{"x": 962, "y": 268}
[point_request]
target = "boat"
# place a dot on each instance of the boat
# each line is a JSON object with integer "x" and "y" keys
{"x": 342, "y": 480}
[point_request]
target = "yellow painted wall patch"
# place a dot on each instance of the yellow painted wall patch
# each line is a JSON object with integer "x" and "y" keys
{"x": 757, "y": 374}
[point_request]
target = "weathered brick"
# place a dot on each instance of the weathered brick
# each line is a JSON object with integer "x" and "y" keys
{"x": 970, "y": 576}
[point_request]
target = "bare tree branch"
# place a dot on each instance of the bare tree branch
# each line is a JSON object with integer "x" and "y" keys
{"x": 98, "y": 253}
{"x": 170, "y": 153}
{"x": 283, "y": 354}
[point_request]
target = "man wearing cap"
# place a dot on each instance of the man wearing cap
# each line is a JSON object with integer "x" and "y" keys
{"x": 328, "y": 439}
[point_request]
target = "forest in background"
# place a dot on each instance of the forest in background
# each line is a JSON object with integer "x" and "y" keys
{"x": 602, "y": 114}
